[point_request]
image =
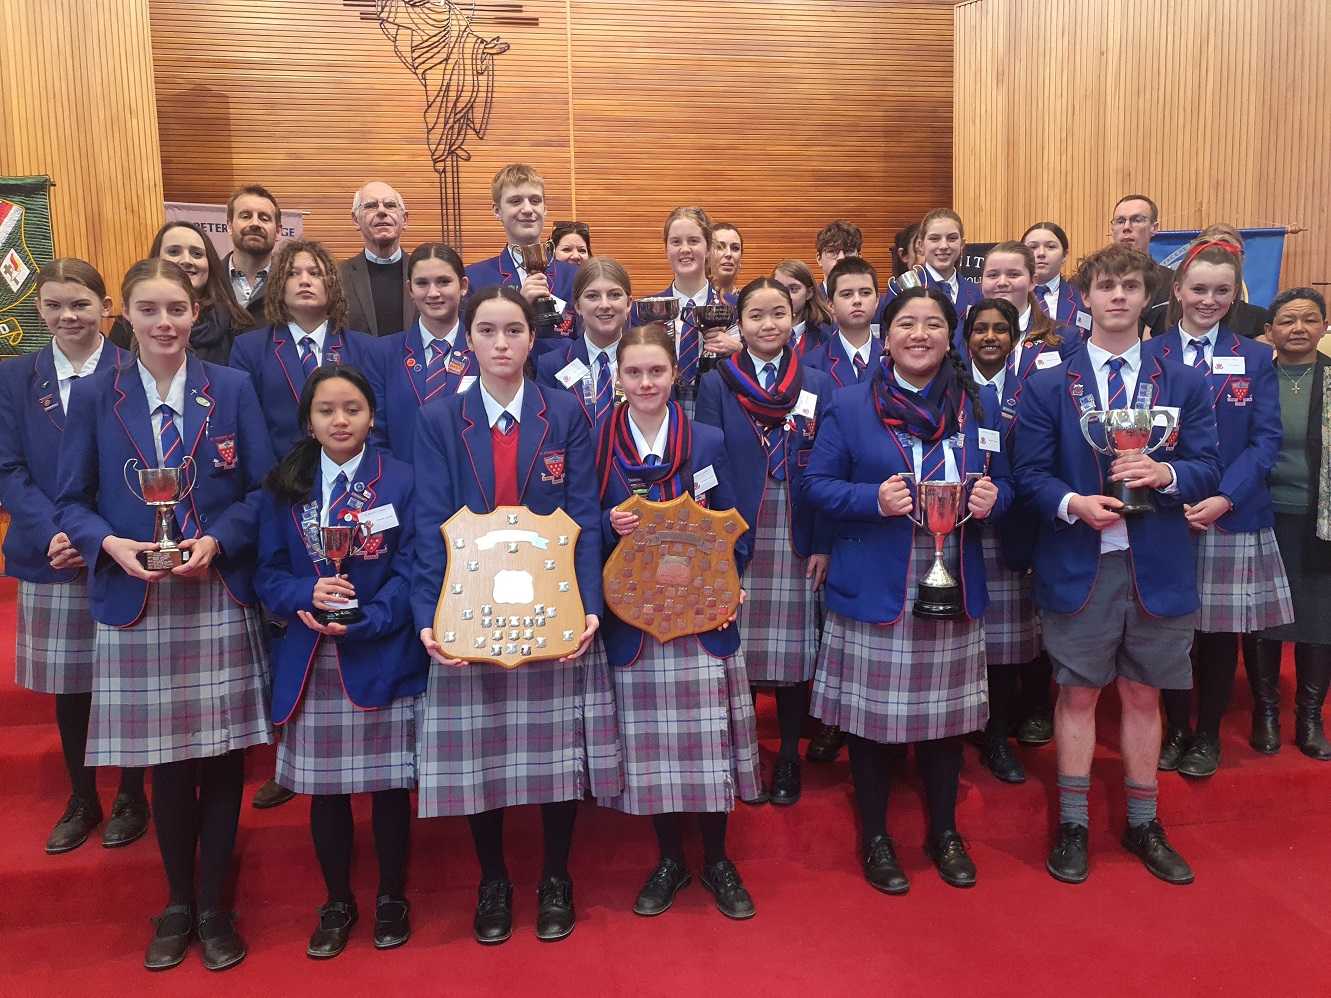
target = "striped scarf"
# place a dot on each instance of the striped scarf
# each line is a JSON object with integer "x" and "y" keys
{"x": 768, "y": 410}
{"x": 672, "y": 478}
{"x": 930, "y": 415}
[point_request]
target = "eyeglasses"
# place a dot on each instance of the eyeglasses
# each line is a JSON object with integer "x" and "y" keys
{"x": 373, "y": 206}
{"x": 577, "y": 227}
{"x": 1123, "y": 220}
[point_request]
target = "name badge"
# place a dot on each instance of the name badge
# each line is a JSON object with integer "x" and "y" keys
{"x": 379, "y": 519}
{"x": 559, "y": 302}
{"x": 989, "y": 440}
{"x": 1045, "y": 359}
{"x": 465, "y": 383}
{"x": 572, "y": 372}
{"x": 1083, "y": 319}
{"x": 806, "y": 406}
{"x": 1228, "y": 365}
{"x": 704, "y": 480}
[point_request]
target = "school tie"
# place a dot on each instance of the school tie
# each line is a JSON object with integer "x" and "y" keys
{"x": 1199, "y": 358}
{"x": 933, "y": 464}
{"x": 688, "y": 344}
{"x": 309, "y": 358}
{"x": 337, "y": 500}
{"x": 173, "y": 455}
{"x": 860, "y": 367}
{"x": 1041, "y": 292}
{"x": 651, "y": 461}
{"x": 947, "y": 290}
{"x": 506, "y": 423}
{"x": 434, "y": 368}
{"x": 1118, "y": 392}
{"x": 654, "y": 491}
{"x": 769, "y": 376}
{"x": 604, "y": 387}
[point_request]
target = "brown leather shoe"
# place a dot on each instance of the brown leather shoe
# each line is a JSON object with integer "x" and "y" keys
{"x": 271, "y": 794}
{"x": 74, "y": 826}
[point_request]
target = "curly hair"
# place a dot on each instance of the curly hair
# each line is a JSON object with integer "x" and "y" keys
{"x": 275, "y": 308}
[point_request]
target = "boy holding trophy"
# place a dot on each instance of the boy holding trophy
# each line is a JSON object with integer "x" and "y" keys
{"x": 1117, "y": 588}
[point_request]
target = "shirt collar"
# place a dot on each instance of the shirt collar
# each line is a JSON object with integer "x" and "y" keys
{"x": 64, "y": 368}
{"x": 852, "y": 352}
{"x": 997, "y": 381}
{"x": 1024, "y": 321}
{"x": 907, "y": 385}
{"x": 701, "y": 298}
{"x": 1053, "y": 284}
{"x": 175, "y": 396}
{"x": 759, "y": 363}
{"x": 941, "y": 279}
{"x": 330, "y": 469}
{"x": 593, "y": 351}
{"x": 493, "y": 410}
{"x": 450, "y": 342}
{"x": 1132, "y": 356}
{"x": 319, "y": 334}
{"x": 1189, "y": 340}
{"x": 658, "y": 446}
{"x": 259, "y": 277}
{"x": 394, "y": 258}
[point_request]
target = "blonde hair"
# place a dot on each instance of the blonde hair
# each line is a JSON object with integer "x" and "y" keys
{"x": 514, "y": 175}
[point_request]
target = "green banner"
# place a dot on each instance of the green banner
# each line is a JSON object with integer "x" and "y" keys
{"x": 25, "y": 244}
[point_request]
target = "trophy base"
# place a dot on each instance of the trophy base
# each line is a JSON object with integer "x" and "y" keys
{"x": 163, "y": 561}
{"x": 548, "y": 317}
{"x": 345, "y": 616}
{"x": 1136, "y": 501}
{"x": 707, "y": 362}
{"x": 938, "y": 603}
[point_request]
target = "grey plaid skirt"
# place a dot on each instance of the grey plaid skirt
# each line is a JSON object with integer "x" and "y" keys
{"x": 909, "y": 681}
{"x": 1011, "y": 626}
{"x": 1241, "y": 582}
{"x": 779, "y": 619}
{"x": 57, "y": 638}
{"x": 688, "y": 731}
{"x": 491, "y": 737}
{"x": 331, "y": 746}
{"x": 188, "y": 680}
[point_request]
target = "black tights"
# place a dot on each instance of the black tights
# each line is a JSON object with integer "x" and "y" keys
{"x": 71, "y": 719}
{"x": 939, "y": 761}
{"x": 669, "y": 836}
{"x": 333, "y": 830}
{"x": 1002, "y": 700}
{"x": 196, "y": 804}
{"x": 1215, "y": 661}
{"x": 792, "y": 709}
{"x": 557, "y": 820}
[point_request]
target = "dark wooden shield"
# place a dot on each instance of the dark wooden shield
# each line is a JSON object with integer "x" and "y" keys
{"x": 675, "y": 574}
{"x": 510, "y": 593}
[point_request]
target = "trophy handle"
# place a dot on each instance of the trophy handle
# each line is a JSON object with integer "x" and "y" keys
{"x": 971, "y": 478}
{"x": 1170, "y": 423}
{"x": 916, "y": 515}
{"x": 359, "y": 538}
{"x": 134, "y": 462}
{"x": 1085, "y": 431}
{"x": 193, "y": 476}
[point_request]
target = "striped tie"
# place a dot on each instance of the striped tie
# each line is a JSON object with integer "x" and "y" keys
{"x": 1118, "y": 392}
{"x": 505, "y": 423}
{"x": 173, "y": 455}
{"x": 434, "y": 369}
{"x": 1199, "y": 358}
{"x": 309, "y": 358}
{"x": 688, "y": 345}
{"x": 860, "y": 367}
{"x": 947, "y": 290}
{"x": 604, "y": 387}
{"x": 769, "y": 376}
{"x": 1042, "y": 292}
{"x": 934, "y": 463}
{"x": 337, "y": 500}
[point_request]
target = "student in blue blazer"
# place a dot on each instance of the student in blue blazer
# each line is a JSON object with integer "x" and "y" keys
{"x": 684, "y": 712}
{"x": 306, "y": 312}
{"x": 56, "y": 641}
{"x": 430, "y": 359}
{"x": 586, "y": 367}
{"x": 518, "y": 192}
{"x": 813, "y": 319}
{"x": 851, "y": 352}
{"x": 181, "y": 672}
{"x": 942, "y": 240}
{"x": 1243, "y": 587}
{"x": 1118, "y": 595}
{"x": 1057, "y": 298}
{"x": 492, "y": 737}
{"x": 345, "y": 693}
{"x": 921, "y": 679}
{"x": 770, "y": 406}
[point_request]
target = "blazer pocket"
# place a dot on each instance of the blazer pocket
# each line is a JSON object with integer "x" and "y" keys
{"x": 846, "y": 570}
{"x": 802, "y": 457}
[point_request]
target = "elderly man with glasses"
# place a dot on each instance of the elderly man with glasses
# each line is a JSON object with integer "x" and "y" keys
{"x": 375, "y": 280}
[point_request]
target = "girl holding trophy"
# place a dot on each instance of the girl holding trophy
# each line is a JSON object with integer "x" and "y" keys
{"x": 348, "y": 667}
{"x": 180, "y": 674}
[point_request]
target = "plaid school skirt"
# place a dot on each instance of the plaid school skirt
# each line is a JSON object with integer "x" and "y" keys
{"x": 491, "y": 737}
{"x": 1011, "y": 627}
{"x": 910, "y": 681}
{"x": 331, "y": 746}
{"x": 688, "y": 731}
{"x": 779, "y": 619}
{"x": 57, "y": 638}
{"x": 1241, "y": 582}
{"x": 188, "y": 680}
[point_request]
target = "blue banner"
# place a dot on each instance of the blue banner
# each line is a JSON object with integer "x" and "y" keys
{"x": 1263, "y": 250}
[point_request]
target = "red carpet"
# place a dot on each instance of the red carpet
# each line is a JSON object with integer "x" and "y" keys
{"x": 1256, "y": 922}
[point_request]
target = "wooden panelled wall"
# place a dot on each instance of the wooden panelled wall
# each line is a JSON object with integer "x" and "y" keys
{"x": 775, "y": 115}
{"x": 76, "y": 104}
{"x": 1217, "y": 109}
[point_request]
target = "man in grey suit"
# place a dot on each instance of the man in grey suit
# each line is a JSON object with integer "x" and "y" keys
{"x": 375, "y": 280}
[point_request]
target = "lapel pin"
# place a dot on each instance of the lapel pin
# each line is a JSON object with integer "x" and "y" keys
{"x": 202, "y": 401}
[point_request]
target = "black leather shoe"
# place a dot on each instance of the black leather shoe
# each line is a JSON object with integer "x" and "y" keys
{"x": 555, "y": 917}
{"x": 826, "y": 745}
{"x": 949, "y": 855}
{"x": 1265, "y": 737}
{"x": 1202, "y": 757}
{"x": 724, "y": 883}
{"x": 494, "y": 912}
{"x": 271, "y": 794}
{"x": 786, "y": 782}
{"x": 1149, "y": 843}
{"x": 658, "y": 894}
{"x": 391, "y": 925}
{"x": 997, "y": 757}
{"x": 74, "y": 827}
{"x": 881, "y": 868}
{"x": 1036, "y": 730}
{"x": 1171, "y": 750}
{"x": 1068, "y": 860}
{"x": 336, "y": 920}
{"x": 170, "y": 943}
{"x": 129, "y": 820}
{"x": 221, "y": 945}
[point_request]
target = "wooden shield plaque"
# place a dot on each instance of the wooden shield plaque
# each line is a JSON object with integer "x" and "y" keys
{"x": 510, "y": 594}
{"x": 675, "y": 574}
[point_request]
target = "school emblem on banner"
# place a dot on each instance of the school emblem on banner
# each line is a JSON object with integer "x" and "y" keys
{"x": 25, "y": 244}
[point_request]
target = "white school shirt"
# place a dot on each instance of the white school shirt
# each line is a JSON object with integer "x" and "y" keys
{"x": 493, "y": 410}
{"x": 329, "y": 472}
{"x": 65, "y": 373}
{"x": 175, "y": 398}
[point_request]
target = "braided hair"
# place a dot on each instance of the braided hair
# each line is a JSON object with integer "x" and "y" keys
{"x": 949, "y": 311}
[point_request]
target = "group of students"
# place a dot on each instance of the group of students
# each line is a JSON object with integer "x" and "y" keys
{"x": 825, "y": 404}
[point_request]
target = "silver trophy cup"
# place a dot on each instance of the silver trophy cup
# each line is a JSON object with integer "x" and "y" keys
{"x": 340, "y": 542}
{"x": 940, "y": 508}
{"x": 162, "y": 489}
{"x": 1128, "y": 431}
{"x": 717, "y": 315}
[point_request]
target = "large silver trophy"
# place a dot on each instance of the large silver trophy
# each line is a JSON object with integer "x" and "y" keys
{"x": 939, "y": 509}
{"x": 913, "y": 278}
{"x": 1128, "y": 431}
{"x": 340, "y": 542}
{"x": 664, "y": 309}
{"x": 162, "y": 489}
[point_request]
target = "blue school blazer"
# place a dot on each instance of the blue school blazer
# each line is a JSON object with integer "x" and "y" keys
{"x": 623, "y": 642}
{"x": 553, "y": 361}
{"x": 399, "y": 380}
{"x": 1051, "y": 459}
{"x": 558, "y": 274}
{"x": 1247, "y": 416}
{"x": 455, "y": 468}
{"x": 719, "y": 407}
{"x": 380, "y": 658}
{"x": 868, "y": 578}
{"x": 830, "y": 358}
{"x": 109, "y": 424}
{"x": 272, "y": 360}
{"x": 1069, "y": 302}
{"x": 32, "y": 423}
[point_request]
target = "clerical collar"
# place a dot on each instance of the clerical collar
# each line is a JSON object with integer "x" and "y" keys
{"x": 384, "y": 260}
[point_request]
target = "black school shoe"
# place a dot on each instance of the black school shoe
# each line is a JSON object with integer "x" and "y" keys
{"x": 1068, "y": 861}
{"x": 1171, "y": 750}
{"x": 271, "y": 794}
{"x": 336, "y": 920}
{"x": 1036, "y": 730}
{"x": 785, "y": 789}
{"x": 75, "y": 825}
{"x": 129, "y": 821}
{"x": 826, "y": 745}
{"x": 221, "y": 945}
{"x": 882, "y": 869}
{"x": 170, "y": 943}
{"x": 555, "y": 917}
{"x": 997, "y": 757}
{"x": 1202, "y": 758}
{"x": 948, "y": 853}
{"x": 1149, "y": 843}
{"x": 494, "y": 912}
{"x": 391, "y": 925}
{"x": 658, "y": 894}
{"x": 724, "y": 883}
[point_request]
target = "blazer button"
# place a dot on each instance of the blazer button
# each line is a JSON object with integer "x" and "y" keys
{"x": 203, "y": 517}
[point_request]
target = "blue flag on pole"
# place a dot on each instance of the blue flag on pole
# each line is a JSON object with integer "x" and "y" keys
{"x": 1263, "y": 250}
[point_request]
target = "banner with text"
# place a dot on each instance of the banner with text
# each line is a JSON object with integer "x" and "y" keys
{"x": 211, "y": 218}
{"x": 26, "y": 243}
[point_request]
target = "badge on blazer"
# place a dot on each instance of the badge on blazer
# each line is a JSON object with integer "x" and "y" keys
{"x": 47, "y": 402}
{"x": 1238, "y": 390}
{"x": 1078, "y": 389}
{"x": 372, "y": 547}
{"x": 226, "y": 452}
{"x": 411, "y": 363}
{"x": 457, "y": 363}
{"x": 554, "y": 463}
{"x": 333, "y": 357}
